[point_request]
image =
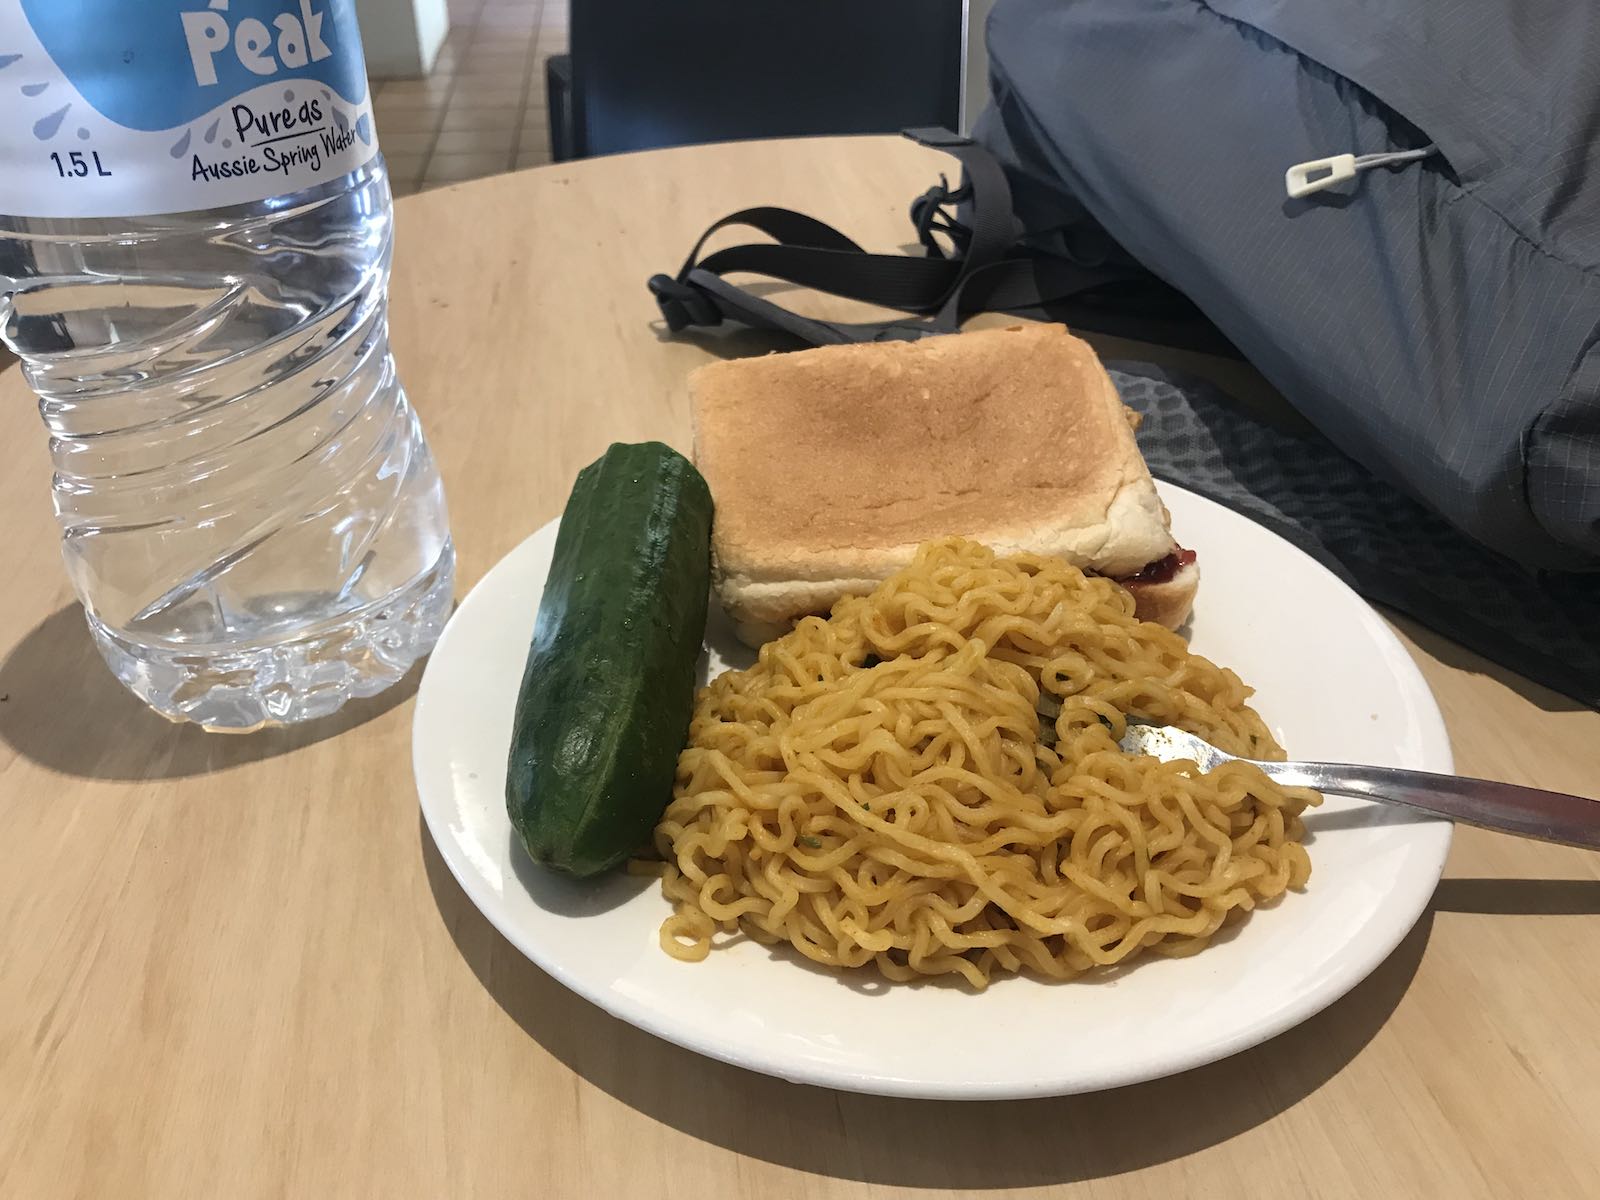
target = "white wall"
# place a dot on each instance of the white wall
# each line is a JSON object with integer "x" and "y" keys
{"x": 433, "y": 22}
{"x": 402, "y": 37}
{"x": 975, "y": 76}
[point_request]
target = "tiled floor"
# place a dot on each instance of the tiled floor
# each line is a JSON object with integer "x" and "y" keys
{"x": 482, "y": 110}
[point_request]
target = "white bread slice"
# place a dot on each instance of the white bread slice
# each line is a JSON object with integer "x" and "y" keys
{"x": 1168, "y": 601}
{"x": 829, "y": 467}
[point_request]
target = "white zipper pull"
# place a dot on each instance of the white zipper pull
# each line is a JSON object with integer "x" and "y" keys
{"x": 1298, "y": 181}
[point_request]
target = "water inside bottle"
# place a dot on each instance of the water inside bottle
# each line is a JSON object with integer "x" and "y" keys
{"x": 249, "y": 510}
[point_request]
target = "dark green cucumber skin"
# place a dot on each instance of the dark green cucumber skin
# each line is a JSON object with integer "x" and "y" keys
{"x": 609, "y": 686}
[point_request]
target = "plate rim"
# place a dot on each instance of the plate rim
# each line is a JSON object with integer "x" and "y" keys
{"x": 1435, "y": 736}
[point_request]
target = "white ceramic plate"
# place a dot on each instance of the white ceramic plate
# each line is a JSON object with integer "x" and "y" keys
{"x": 1331, "y": 680}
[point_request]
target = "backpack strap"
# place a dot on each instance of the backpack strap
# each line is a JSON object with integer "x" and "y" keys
{"x": 987, "y": 271}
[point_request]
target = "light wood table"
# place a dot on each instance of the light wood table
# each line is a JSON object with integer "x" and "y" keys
{"x": 236, "y": 967}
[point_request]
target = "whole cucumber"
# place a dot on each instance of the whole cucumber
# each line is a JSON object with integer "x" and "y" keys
{"x": 609, "y": 686}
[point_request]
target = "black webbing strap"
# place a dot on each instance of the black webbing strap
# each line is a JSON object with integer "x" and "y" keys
{"x": 986, "y": 271}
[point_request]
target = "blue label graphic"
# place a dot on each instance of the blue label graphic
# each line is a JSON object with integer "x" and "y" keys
{"x": 129, "y": 107}
{"x": 158, "y": 64}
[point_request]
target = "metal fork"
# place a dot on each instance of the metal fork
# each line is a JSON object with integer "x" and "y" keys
{"x": 1504, "y": 807}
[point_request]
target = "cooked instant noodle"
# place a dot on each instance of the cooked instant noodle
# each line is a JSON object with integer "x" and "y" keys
{"x": 881, "y": 789}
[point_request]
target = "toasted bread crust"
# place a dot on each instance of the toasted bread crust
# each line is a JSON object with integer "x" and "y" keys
{"x": 826, "y": 462}
{"x": 830, "y": 466}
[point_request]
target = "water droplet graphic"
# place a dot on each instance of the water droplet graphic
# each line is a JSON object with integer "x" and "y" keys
{"x": 326, "y": 94}
{"x": 45, "y": 127}
{"x": 340, "y": 119}
{"x": 211, "y": 134}
{"x": 34, "y": 89}
{"x": 7, "y": 59}
{"x": 83, "y": 134}
{"x": 227, "y": 143}
{"x": 181, "y": 146}
{"x": 288, "y": 94}
{"x": 364, "y": 129}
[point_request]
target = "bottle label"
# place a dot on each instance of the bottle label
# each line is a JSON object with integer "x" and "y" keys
{"x": 113, "y": 108}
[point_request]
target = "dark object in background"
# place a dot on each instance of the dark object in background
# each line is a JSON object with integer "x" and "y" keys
{"x": 1388, "y": 547}
{"x": 558, "y": 98}
{"x": 646, "y": 73}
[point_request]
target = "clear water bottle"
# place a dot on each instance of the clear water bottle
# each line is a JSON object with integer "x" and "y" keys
{"x": 249, "y": 511}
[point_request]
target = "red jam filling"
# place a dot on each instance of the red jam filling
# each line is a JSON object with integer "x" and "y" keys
{"x": 1163, "y": 569}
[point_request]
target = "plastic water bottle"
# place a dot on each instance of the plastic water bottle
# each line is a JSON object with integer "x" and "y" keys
{"x": 249, "y": 511}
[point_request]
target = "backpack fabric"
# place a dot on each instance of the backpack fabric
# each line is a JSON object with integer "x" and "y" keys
{"x": 1436, "y": 320}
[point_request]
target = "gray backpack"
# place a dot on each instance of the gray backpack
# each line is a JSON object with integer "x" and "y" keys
{"x": 1437, "y": 319}
{"x": 1428, "y": 299}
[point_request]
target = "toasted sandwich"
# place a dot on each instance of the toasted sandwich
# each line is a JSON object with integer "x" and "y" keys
{"x": 829, "y": 467}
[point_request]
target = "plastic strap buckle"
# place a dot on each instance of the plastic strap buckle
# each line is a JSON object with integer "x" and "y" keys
{"x": 682, "y": 304}
{"x": 936, "y": 137}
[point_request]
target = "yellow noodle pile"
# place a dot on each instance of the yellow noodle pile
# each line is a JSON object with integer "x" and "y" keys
{"x": 876, "y": 790}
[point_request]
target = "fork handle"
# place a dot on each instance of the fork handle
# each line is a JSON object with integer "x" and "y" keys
{"x": 1506, "y": 807}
